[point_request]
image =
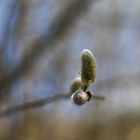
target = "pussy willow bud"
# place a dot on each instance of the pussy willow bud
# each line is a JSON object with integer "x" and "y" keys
{"x": 80, "y": 97}
{"x": 88, "y": 67}
{"x": 76, "y": 85}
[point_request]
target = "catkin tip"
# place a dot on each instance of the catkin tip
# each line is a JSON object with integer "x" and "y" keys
{"x": 86, "y": 51}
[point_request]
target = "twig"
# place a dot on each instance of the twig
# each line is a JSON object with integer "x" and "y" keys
{"x": 34, "y": 104}
{"x": 98, "y": 97}
{"x": 39, "y": 103}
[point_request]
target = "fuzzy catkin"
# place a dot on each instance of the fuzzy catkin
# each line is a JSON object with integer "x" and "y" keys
{"x": 88, "y": 67}
{"x": 76, "y": 85}
{"x": 80, "y": 97}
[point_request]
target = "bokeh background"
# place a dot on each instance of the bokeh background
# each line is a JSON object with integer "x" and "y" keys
{"x": 40, "y": 47}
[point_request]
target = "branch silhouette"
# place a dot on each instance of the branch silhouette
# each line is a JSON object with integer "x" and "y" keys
{"x": 33, "y": 104}
{"x": 39, "y": 103}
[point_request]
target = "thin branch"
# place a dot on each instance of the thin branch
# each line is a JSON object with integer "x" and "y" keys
{"x": 34, "y": 104}
{"x": 39, "y": 103}
{"x": 98, "y": 97}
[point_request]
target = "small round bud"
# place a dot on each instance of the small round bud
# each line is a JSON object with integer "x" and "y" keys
{"x": 80, "y": 97}
{"x": 88, "y": 67}
{"x": 76, "y": 85}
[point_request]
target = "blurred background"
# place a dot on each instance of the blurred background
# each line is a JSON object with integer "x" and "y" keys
{"x": 40, "y": 47}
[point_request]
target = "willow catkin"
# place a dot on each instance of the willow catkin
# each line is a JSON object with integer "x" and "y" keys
{"x": 88, "y": 67}
{"x": 80, "y": 97}
{"x": 76, "y": 85}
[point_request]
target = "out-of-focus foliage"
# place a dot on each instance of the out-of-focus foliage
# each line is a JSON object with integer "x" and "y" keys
{"x": 40, "y": 48}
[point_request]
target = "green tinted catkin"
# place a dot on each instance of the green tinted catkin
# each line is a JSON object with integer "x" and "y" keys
{"x": 88, "y": 67}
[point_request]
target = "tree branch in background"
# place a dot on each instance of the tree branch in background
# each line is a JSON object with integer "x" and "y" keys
{"x": 7, "y": 26}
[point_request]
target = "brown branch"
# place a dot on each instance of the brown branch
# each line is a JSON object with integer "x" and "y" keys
{"x": 98, "y": 97}
{"x": 34, "y": 104}
{"x": 39, "y": 103}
